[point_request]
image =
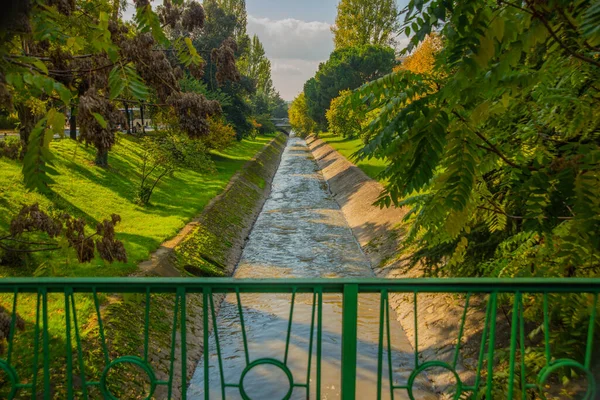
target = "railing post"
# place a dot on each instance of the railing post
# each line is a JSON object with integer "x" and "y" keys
{"x": 349, "y": 334}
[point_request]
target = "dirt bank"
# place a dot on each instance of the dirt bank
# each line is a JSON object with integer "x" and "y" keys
{"x": 379, "y": 232}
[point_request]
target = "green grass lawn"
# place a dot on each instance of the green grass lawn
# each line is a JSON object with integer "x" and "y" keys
{"x": 93, "y": 193}
{"x": 348, "y": 146}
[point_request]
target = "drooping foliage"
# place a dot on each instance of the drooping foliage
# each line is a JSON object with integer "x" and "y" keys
{"x": 496, "y": 149}
{"x": 347, "y": 68}
{"x": 362, "y": 22}
{"x": 79, "y": 56}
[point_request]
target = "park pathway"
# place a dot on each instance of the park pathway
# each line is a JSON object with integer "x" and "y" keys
{"x": 300, "y": 233}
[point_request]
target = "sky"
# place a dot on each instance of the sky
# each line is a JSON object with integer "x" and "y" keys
{"x": 296, "y": 36}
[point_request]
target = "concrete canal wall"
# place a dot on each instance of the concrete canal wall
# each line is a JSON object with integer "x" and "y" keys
{"x": 379, "y": 232}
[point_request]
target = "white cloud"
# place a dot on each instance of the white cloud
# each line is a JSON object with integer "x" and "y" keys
{"x": 295, "y": 49}
{"x": 293, "y": 38}
{"x": 290, "y": 74}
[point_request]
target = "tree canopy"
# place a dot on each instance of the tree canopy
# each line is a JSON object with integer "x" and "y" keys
{"x": 362, "y": 22}
{"x": 347, "y": 68}
{"x": 496, "y": 148}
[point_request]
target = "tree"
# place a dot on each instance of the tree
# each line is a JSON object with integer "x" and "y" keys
{"x": 341, "y": 121}
{"x": 237, "y": 8}
{"x": 495, "y": 150}
{"x": 362, "y": 22}
{"x": 422, "y": 60}
{"x": 165, "y": 154}
{"x": 299, "y": 119}
{"x": 257, "y": 66}
{"x": 347, "y": 68}
{"x": 64, "y": 55}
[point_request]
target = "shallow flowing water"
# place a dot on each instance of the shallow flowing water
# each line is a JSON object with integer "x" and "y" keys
{"x": 300, "y": 233}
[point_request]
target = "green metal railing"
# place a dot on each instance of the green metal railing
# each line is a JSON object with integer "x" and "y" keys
{"x": 52, "y": 350}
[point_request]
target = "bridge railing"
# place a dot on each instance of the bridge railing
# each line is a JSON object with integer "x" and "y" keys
{"x": 99, "y": 338}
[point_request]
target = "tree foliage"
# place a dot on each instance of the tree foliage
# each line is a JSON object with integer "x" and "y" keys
{"x": 300, "y": 121}
{"x": 422, "y": 59}
{"x": 256, "y": 66}
{"x": 347, "y": 68}
{"x": 58, "y": 56}
{"x": 496, "y": 149}
{"x": 362, "y": 22}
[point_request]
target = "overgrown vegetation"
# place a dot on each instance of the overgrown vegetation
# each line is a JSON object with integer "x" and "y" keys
{"x": 493, "y": 143}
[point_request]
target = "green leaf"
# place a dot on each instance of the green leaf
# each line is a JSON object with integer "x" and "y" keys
{"x": 100, "y": 119}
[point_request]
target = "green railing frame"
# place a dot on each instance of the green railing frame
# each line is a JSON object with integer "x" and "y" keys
{"x": 348, "y": 288}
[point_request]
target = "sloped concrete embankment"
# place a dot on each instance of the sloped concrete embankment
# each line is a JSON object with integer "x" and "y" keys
{"x": 379, "y": 232}
{"x": 210, "y": 245}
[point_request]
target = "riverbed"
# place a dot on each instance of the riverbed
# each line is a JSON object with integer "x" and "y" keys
{"x": 300, "y": 233}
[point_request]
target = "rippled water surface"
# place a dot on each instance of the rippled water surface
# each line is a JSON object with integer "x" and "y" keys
{"x": 301, "y": 233}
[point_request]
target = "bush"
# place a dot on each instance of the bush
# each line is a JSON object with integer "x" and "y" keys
{"x": 11, "y": 147}
{"x": 8, "y": 122}
{"x": 220, "y": 134}
{"x": 342, "y": 122}
{"x": 166, "y": 153}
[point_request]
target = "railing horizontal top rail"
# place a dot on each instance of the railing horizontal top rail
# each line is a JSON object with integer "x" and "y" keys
{"x": 227, "y": 285}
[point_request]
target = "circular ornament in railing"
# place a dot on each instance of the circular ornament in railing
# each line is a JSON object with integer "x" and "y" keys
{"x": 134, "y": 361}
{"x": 267, "y": 362}
{"x": 556, "y": 365}
{"x": 433, "y": 365}
{"x": 12, "y": 377}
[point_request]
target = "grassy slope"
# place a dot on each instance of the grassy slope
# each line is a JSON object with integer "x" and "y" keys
{"x": 94, "y": 193}
{"x": 347, "y": 147}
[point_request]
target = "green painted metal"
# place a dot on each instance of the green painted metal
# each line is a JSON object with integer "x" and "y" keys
{"x": 57, "y": 327}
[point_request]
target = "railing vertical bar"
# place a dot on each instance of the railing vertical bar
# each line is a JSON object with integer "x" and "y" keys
{"x": 491, "y": 345}
{"x": 482, "y": 347}
{"x": 546, "y": 329}
{"x": 13, "y": 323}
{"x": 100, "y": 326}
{"x": 349, "y": 336}
{"x": 79, "y": 349}
{"x": 522, "y": 343}
{"x": 183, "y": 336}
{"x": 173, "y": 344}
{"x": 36, "y": 348}
{"x": 461, "y": 331}
{"x": 68, "y": 346}
{"x": 146, "y": 324}
{"x": 46, "y": 344}
{"x": 289, "y": 329}
{"x": 214, "y": 321}
{"x": 590, "y": 338}
{"x": 513, "y": 344}
{"x": 382, "y": 298}
{"x": 310, "y": 345}
{"x": 389, "y": 346}
{"x": 416, "y": 330}
{"x": 205, "y": 325}
{"x": 319, "y": 337}
{"x": 242, "y": 324}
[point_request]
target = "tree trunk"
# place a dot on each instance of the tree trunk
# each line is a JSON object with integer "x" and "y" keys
{"x": 27, "y": 122}
{"x": 127, "y": 121}
{"x": 73, "y": 125}
{"x": 142, "y": 115}
{"x": 102, "y": 158}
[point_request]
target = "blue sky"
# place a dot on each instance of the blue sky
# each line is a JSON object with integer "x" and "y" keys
{"x": 296, "y": 35}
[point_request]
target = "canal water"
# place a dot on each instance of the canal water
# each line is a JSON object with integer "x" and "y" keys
{"x": 300, "y": 233}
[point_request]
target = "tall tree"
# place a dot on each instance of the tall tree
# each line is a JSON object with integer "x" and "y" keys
{"x": 347, "y": 68}
{"x": 237, "y": 8}
{"x": 361, "y": 22}
{"x": 257, "y": 66}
